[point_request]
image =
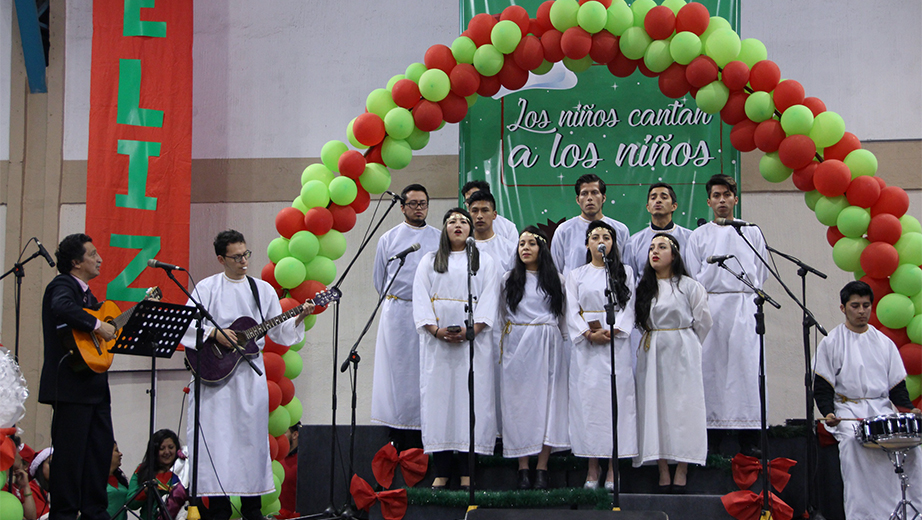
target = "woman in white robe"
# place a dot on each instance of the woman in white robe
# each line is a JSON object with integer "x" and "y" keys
{"x": 439, "y": 297}
{"x": 534, "y": 362}
{"x": 672, "y": 310}
{"x": 590, "y": 359}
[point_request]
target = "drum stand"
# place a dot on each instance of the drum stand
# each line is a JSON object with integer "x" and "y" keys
{"x": 897, "y": 457}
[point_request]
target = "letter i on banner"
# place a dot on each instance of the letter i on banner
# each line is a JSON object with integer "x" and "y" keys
{"x": 140, "y": 143}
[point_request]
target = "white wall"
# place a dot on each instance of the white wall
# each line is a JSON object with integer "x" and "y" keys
{"x": 6, "y": 51}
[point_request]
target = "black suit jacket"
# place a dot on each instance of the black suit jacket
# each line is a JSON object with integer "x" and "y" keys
{"x": 62, "y": 310}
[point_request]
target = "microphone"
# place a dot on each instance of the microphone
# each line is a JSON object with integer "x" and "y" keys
{"x": 719, "y": 259}
{"x": 602, "y": 249}
{"x": 470, "y": 242}
{"x": 702, "y": 222}
{"x": 732, "y": 222}
{"x": 404, "y": 253}
{"x": 402, "y": 199}
{"x": 153, "y": 262}
{"x": 44, "y": 252}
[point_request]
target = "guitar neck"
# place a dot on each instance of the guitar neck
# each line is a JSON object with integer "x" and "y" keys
{"x": 262, "y": 328}
{"x": 120, "y": 320}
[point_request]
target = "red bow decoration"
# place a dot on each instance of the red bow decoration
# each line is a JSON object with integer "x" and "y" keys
{"x": 746, "y": 505}
{"x": 413, "y": 463}
{"x": 746, "y": 471}
{"x": 7, "y": 448}
{"x": 393, "y": 502}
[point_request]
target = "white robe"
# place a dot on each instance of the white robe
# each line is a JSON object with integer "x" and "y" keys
{"x": 864, "y": 367}
{"x": 568, "y": 247}
{"x": 534, "y": 373}
{"x": 395, "y": 385}
{"x": 730, "y": 355}
{"x": 670, "y": 392}
{"x": 235, "y": 412}
{"x": 439, "y": 299}
{"x": 506, "y": 228}
{"x": 590, "y": 368}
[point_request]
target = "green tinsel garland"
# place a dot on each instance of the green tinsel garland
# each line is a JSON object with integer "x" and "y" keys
{"x": 561, "y": 497}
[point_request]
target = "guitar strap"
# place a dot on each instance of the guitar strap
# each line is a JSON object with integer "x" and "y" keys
{"x": 256, "y": 297}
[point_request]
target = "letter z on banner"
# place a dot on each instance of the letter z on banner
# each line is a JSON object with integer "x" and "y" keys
{"x": 140, "y": 143}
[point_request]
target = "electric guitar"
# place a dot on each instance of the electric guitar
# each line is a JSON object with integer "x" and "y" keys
{"x": 218, "y": 362}
{"x": 93, "y": 351}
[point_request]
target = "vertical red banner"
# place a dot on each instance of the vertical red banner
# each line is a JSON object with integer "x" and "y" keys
{"x": 140, "y": 143}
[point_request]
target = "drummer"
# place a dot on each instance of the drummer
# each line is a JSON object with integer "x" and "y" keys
{"x": 861, "y": 375}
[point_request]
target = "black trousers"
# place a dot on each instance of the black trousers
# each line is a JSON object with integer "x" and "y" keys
{"x": 82, "y": 438}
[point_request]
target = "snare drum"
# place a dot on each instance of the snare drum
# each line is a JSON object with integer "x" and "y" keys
{"x": 893, "y": 432}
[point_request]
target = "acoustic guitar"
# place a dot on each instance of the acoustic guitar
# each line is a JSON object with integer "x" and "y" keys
{"x": 218, "y": 362}
{"x": 93, "y": 351}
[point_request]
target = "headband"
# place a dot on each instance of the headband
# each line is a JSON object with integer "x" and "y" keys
{"x": 536, "y": 237}
{"x": 39, "y": 460}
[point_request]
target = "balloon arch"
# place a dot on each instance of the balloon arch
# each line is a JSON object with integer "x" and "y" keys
{"x": 690, "y": 52}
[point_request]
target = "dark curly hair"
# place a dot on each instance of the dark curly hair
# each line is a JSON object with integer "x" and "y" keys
{"x": 548, "y": 277}
{"x": 72, "y": 248}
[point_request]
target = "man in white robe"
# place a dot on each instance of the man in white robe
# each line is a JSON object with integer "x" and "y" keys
{"x": 860, "y": 375}
{"x": 234, "y": 420}
{"x": 502, "y": 225}
{"x": 661, "y": 204}
{"x": 395, "y": 386}
{"x": 568, "y": 246}
{"x": 730, "y": 353}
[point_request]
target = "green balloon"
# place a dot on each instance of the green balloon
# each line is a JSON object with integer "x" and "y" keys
{"x": 463, "y": 49}
{"x": 723, "y": 46}
{"x": 293, "y": 366}
{"x": 685, "y": 47}
{"x": 592, "y": 17}
{"x": 321, "y": 269}
{"x": 853, "y": 221}
{"x": 471, "y": 100}
{"x": 909, "y": 247}
{"x": 577, "y": 66}
{"x": 506, "y": 36}
{"x": 797, "y": 119}
{"x": 434, "y": 84}
{"x": 906, "y": 280}
{"x": 634, "y": 43}
{"x": 752, "y": 51}
{"x": 271, "y": 509}
{"x": 315, "y": 194}
{"x": 294, "y": 407}
{"x": 712, "y": 97}
{"x": 895, "y": 311}
{"x": 417, "y": 139}
{"x": 910, "y": 224}
{"x": 487, "y": 60}
{"x": 309, "y": 323}
{"x": 343, "y": 191}
{"x": 351, "y": 136}
{"x": 289, "y": 272}
{"x": 828, "y": 129}
{"x": 278, "y": 471}
{"x": 914, "y": 386}
{"x": 657, "y": 56}
{"x": 394, "y": 79}
{"x": 303, "y": 246}
{"x": 278, "y": 421}
{"x": 278, "y": 249}
{"x": 544, "y": 68}
{"x": 772, "y": 169}
{"x": 715, "y": 24}
{"x": 332, "y": 244}
{"x": 640, "y": 9}
{"x": 267, "y": 500}
{"x": 299, "y": 345}
{"x": 414, "y": 71}
{"x": 396, "y": 153}
{"x": 827, "y": 210}
{"x": 847, "y": 253}
{"x": 810, "y": 199}
{"x": 10, "y": 507}
{"x": 675, "y": 5}
{"x": 298, "y": 203}
{"x": 380, "y": 102}
{"x": 620, "y": 18}
{"x": 317, "y": 172}
{"x": 375, "y": 179}
{"x": 398, "y": 123}
{"x": 330, "y": 153}
{"x": 861, "y": 162}
{"x": 914, "y": 329}
{"x": 859, "y": 274}
{"x": 759, "y": 106}
{"x": 563, "y": 14}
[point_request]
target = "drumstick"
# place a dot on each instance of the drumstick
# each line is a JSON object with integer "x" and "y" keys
{"x": 843, "y": 419}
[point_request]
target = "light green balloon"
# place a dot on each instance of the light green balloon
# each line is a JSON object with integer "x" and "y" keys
{"x": 861, "y": 162}
{"x": 895, "y": 311}
{"x": 906, "y": 280}
{"x": 675, "y": 5}
{"x": 542, "y": 69}
{"x": 317, "y": 172}
{"x": 321, "y": 269}
{"x": 278, "y": 470}
{"x": 393, "y": 81}
{"x": 506, "y": 36}
{"x": 759, "y": 106}
{"x": 303, "y": 246}
{"x": 294, "y": 407}
{"x": 380, "y": 102}
{"x": 299, "y": 204}
{"x": 640, "y": 9}
{"x": 563, "y": 14}
{"x": 909, "y": 247}
{"x": 309, "y": 323}
{"x": 271, "y": 509}
{"x": 723, "y": 46}
{"x": 463, "y": 49}
{"x": 278, "y": 249}
{"x": 350, "y": 136}
{"x": 414, "y": 71}
{"x": 279, "y": 421}
{"x": 827, "y": 209}
{"x": 657, "y": 56}
{"x": 434, "y": 84}
{"x": 828, "y": 129}
{"x": 343, "y": 191}
{"x": 797, "y": 119}
{"x": 417, "y": 139}
{"x": 914, "y": 386}
{"x": 293, "y": 366}
{"x": 715, "y": 24}
{"x": 487, "y": 60}
{"x": 712, "y": 97}
{"x": 752, "y": 51}
{"x": 685, "y": 47}
{"x": 471, "y": 100}
{"x": 577, "y": 66}
{"x": 332, "y": 244}
{"x": 315, "y": 194}
{"x": 910, "y": 224}
{"x": 853, "y": 221}
{"x": 398, "y": 123}
{"x": 396, "y": 153}
{"x": 592, "y": 17}
{"x": 772, "y": 169}
{"x": 267, "y": 499}
{"x": 620, "y": 18}
{"x": 289, "y": 272}
{"x": 375, "y": 179}
{"x": 810, "y": 199}
{"x": 859, "y": 274}
{"x": 914, "y": 329}
{"x": 235, "y": 507}
{"x": 330, "y": 153}
{"x": 634, "y": 43}
{"x": 299, "y": 345}
{"x": 847, "y": 253}
{"x": 10, "y": 506}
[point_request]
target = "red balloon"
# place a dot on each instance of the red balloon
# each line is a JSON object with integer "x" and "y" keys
{"x": 863, "y": 191}
{"x": 284, "y": 447}
{"x": 604, "y": 47}
{"x": 742, "y": 136}
{"x": 693, "y": 17}
{"x": 272, "y": 346}
{"x": 489, "y": 85}
{"x": 880, "y": 288}
{"x": 288, "y": 388}
{"x": 701, "y": 71}
{"x": 454, "y": 107}
{"x": 268, "y": 275}
{"x": 672, "y": 82}
{"x": 885, "y": 228}
{"x": 343, "y": 217}
{"x": 735, "y": 75}
{"x": 529, "y": 55}
{"x": 735, "y": 110}
{"x": 848, "y": 144}
{"x": 803, "y": 177}
{"x": 787, "y": 94}
{"x": 912, "y": 357}
{"x": 464, "y": 80}
{"x": 373, "y": 155}
{"x": 621, "y": 66}
{"x": 288, "y": 303}
{"x": 543, "y": 16}
{"x": 480, "y": 28}
{"x": 439, "y": 57}
{"x": 517, "y": 14}
{"x": 534, "y": 28}
{"x": 427, "y": 115}
{"x": 351, "y": 164}
{"x": 769, "y": 135}
{"x": 510, "y": 76}
{"x": 918, "y": 402}
{"x": 832, "y": 178}
{"x": 642, "y": 67}
{"x": 550, "y": 41}
{"x": 275, "y": 395}
{"x": 872, "y": 320}
{"x": 879, "y": 260}
{"x": 815, "y": 105}
{"x": 275, "y": 366}
{"x": 833, "y": 235}
{"x": 764, "y": 76}
{"x": 898, "y": 336}
{"x": 306, "y": 290}
{"x": 318, "y": 221}
{"x": 575, "y": 43}
{"x": 883, "y": 183}
{"x": 289, "y": 221}
{"x": 659, "y": 22}
{"x": 361, "y": 202}
{"x": 796, "y": 151}
{"x": 892, "y": 200}
{"x": 368, "y": 129}
{"x": 406, "y": 93}
{"x": 273, "y": 447}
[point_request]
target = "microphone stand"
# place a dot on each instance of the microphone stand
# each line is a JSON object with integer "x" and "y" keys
{"x": 469, "y": 333}
{"x": 610, "y": 319}
{"x": 17, "y": 294}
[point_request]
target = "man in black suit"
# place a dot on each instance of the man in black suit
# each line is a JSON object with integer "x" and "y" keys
{"x": 81, "y": 430}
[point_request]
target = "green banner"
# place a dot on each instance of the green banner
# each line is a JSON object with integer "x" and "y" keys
{"x": 532, "y": 144}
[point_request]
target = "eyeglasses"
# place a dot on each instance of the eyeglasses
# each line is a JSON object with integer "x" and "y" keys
{"x": 417, "y": 204}
{"x": 240, "y": 258}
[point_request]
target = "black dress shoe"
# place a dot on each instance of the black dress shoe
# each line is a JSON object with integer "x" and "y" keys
{"x": 541, "y": 479}
{"x": 663, "y": 489}
{"x": 677, "y": 490}
{"x": 524, "y": 481}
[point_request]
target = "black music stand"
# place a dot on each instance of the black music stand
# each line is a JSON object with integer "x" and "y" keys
{"x": 154, "y": 330}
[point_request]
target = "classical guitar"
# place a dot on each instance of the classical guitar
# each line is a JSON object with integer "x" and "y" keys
{"x": 93, "y": 351}
{"x": 217, "y": 362}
